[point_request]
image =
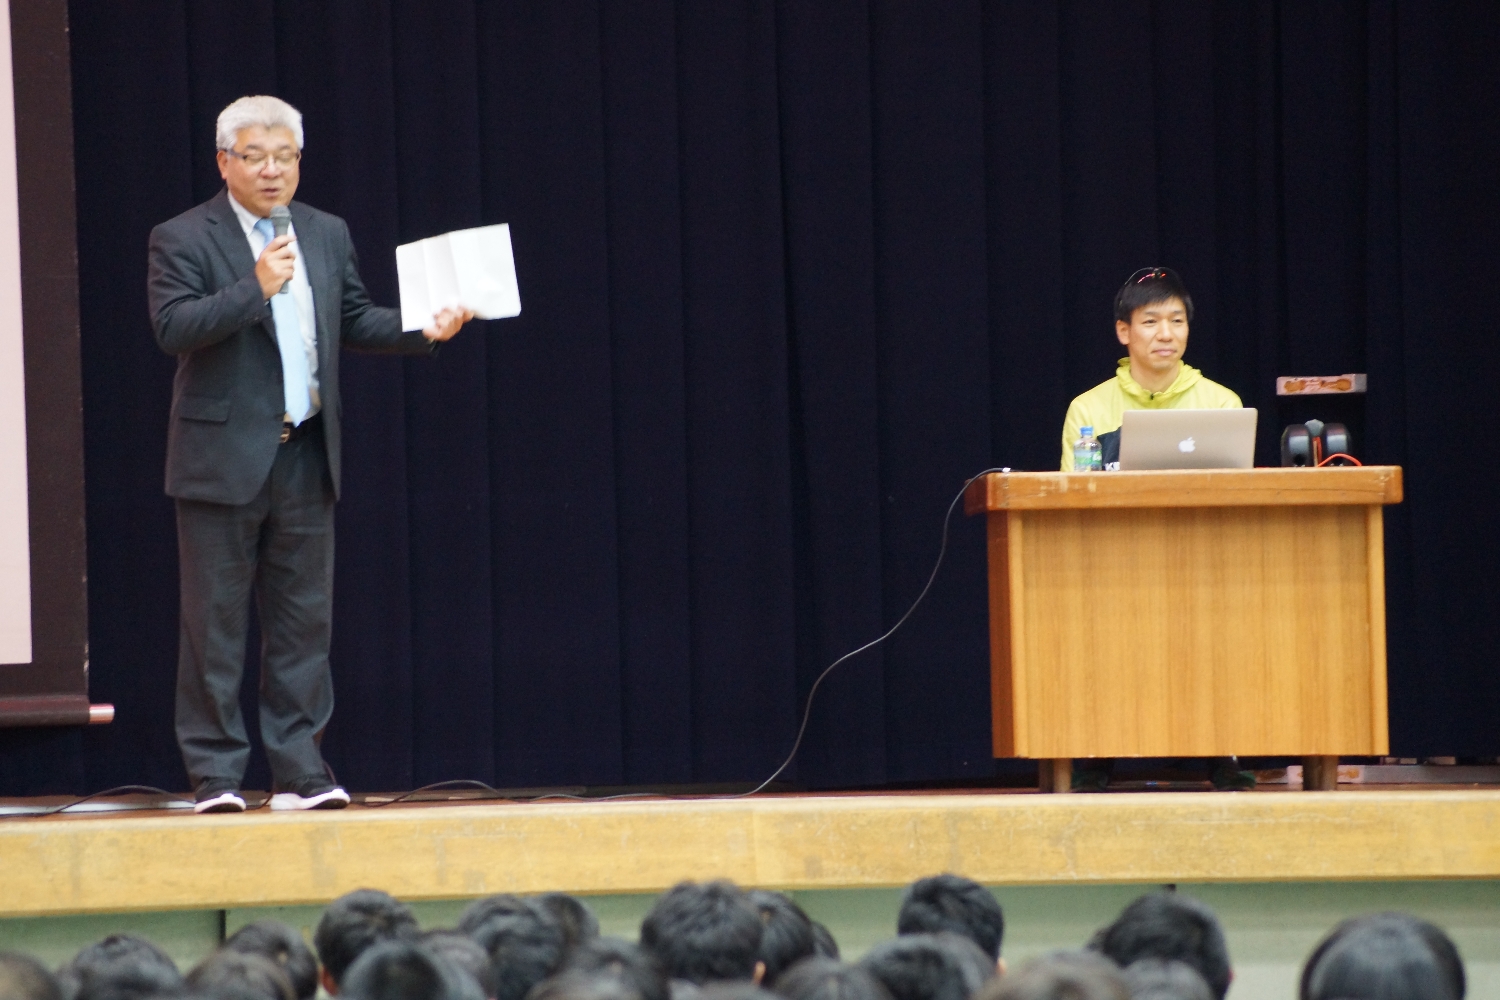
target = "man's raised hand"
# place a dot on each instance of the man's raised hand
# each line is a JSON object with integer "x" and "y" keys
{"x": 276, "y": 264}
{"x": 446, "y": 323}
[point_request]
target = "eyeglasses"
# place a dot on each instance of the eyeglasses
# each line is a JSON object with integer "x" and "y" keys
{"x": 1152, "y": 274}
{"x": 255, "y": 159}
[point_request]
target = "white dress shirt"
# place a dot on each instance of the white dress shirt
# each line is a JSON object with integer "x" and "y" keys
{"x": 300, "y": 291}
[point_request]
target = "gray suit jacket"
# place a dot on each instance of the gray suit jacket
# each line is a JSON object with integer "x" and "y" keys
{"x": 207, "y": 309}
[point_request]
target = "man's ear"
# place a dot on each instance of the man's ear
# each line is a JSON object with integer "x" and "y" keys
{"x": 999, "y": 966}
{"x": 329, "y": 986}
{"x": 760, "y": 973}
{"x": 1122, "y": 331}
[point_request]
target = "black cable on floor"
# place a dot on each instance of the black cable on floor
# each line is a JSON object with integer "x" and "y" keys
{"x": 497, "y": 794}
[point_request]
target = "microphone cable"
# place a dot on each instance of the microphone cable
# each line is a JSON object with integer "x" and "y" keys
{"x": 812, "y": 693}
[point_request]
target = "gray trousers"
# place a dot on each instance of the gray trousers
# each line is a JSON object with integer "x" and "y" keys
{"x": 278, "y": 546}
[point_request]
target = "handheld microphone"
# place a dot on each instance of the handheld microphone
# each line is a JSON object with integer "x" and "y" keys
{"x": 281, "y": 221}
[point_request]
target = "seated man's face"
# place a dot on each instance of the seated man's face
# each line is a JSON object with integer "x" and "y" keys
{"x": 1156, "y": 335}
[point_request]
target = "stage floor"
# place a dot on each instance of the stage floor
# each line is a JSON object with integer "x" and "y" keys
{"x": 113, "y": 863}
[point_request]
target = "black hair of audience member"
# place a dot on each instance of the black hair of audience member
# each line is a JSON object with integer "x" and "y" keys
{"x": 577, "y": 921}
{"x": 828, "y": 979}
{"x": 734, "y": 990}
{"x": 824, "y": 945}
{"x": 464, "y": 954}
{"x": 525, "y": 946}
{"x": 121, "y": 967}
{"x": 704, "y": 933}
{"x": 575, "y": 984}
{"x": 405, "y": 970}
{"x": 24, "y": 978}
{"x": 942, "y": 966}
{"x": 1061, "y": 975}
{"x": 1384, "y": 956}
{"x": 953, "y": 903}
{"x": 1173, "y": 926}
{"x": 1165, "y": 979}
{"x": 274, "y": 940}
{"x": 481, "y": 910}
{"x": 616, "y": 958}
{"x": 237, "y": 975}
{"x": 355, "y": 922}
{"x": 786, "y": 935}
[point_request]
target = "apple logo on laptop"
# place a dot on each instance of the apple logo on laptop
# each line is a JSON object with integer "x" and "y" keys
{"x": 1187, "y": 445}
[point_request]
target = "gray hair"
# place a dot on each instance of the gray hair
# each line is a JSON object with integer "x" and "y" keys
{"x": 248, "y": 112}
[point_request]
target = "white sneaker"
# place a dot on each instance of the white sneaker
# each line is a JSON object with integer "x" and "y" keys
{"x": 310, "y": 793}
{"x": 216, "y": 801}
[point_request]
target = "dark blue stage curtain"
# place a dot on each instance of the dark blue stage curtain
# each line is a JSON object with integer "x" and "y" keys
{"x": 791, "y": 272}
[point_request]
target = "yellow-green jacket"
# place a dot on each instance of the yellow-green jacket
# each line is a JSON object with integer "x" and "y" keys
{"x": 1103, "y": 406}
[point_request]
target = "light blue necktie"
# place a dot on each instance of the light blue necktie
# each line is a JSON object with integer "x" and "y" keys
{"x": 294, "y": 370}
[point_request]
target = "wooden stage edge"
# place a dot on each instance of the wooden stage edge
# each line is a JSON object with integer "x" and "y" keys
{"x": 108, "y": 864}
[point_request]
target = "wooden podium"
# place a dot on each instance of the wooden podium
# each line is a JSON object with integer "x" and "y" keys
{"x": 1187, "y": 614}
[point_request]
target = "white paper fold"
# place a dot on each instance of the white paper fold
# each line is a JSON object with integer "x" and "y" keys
{"x": 471, "y": 268}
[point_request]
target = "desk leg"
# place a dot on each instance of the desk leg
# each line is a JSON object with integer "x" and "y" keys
{"x": 1055, "y": 775}
{"x": 1320, "y": 773}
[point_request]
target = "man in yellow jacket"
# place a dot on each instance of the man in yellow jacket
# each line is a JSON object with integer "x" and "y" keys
{"x": 1152, "y": 313}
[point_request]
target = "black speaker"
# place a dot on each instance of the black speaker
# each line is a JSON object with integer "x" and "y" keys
{"x": 1296, "y": 446}
{"x": 1315, "y": 443}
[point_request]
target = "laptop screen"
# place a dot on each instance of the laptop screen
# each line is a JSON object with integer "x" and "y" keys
{"x": 1188, "y": 439}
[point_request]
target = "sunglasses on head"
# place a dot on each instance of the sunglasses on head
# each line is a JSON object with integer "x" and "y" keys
{"x": 1152, "y": 274}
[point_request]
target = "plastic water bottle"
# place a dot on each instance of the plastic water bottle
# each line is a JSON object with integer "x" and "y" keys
{"x": 1087, "y": 456}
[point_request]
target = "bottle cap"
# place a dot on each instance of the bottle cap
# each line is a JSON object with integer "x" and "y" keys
{"x": 1086, "y": 431}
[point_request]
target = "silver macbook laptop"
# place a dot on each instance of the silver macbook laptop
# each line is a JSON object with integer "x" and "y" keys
{"x": 1187, "y": 439}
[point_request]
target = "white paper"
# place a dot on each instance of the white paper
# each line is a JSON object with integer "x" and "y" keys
{"x": 469, "y": 268}
{"x": 15, "y": 536}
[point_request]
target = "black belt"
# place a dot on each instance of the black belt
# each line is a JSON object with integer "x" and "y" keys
{"x": 291, "y": 432}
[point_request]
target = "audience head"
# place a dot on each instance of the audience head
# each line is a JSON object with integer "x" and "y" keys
{"x": 1164, "y": 979}
{"x": 24, "y": 978}
{"x": 1169, "y": 925}
{"x": 734, "y": 991}
{"x": 826, "y": 979}
{"x": 524, "y": 942}
{"x": 477, "y": 912}
{"x": 1384, "y": 956}
{"x": 354, "y": 923}
{"x": 575, "y": 984}
{"x": 942, "y": 966}
{"x": 122, "y": 967}
{"x": 704, "y": 933}
{"x": 1061, "y": 975}
{"x": 235, "y": 975}
{"x": 464, "y": 954}
{"x": 824, "y": 945}
{"x": 614, "y": 958}
{"x": 786, "y": 934}
{"x": 957, "y": 904}
{"x": 282, "y": 945}
{"x": 577, "y": 921}
{"x": 405, "y": 970}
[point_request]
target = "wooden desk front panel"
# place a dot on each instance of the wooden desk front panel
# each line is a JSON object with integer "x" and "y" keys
{"x": 1188, "y": 631}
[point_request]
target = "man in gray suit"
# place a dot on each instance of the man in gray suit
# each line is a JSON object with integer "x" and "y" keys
{"x": 255, "y": 320}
